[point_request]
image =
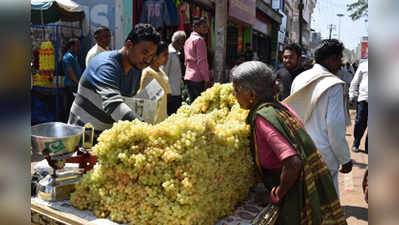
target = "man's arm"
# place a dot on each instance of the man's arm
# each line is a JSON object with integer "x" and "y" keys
{"x": 68, "y": 62}
{"x": 112, "y": 101}
{"x": 201, "y": 50}
{"x": 335, "y": 120}
{"x": 354, "y": 87}
{"x": 72, "y": 75}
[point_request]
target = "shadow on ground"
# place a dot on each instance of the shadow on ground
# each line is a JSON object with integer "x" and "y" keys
{"x": 357, "y": 212}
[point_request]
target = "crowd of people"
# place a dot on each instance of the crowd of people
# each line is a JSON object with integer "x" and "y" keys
{"x": 298, "y": 115}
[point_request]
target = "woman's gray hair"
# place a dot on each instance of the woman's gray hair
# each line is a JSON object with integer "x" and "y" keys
{"x": 256, "y": 76}
{"x": 178, "y": 35}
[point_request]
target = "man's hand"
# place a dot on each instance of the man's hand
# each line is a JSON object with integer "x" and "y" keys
{"x": 347, "y": 167}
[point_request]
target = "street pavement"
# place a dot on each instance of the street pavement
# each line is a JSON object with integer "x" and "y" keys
{"x": 350, "y": 185}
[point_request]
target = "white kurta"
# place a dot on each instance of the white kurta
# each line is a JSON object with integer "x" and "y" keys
{"x": 326, "y": 123}
{"x": 360, "y": 83}
{"x": 95, "y": 50}
{"x": 173, "y": 70}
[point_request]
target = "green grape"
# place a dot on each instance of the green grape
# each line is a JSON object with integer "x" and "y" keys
{"x": 192, "y": 168}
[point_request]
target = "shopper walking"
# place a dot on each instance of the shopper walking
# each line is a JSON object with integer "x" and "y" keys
{"x": 359, "y": 86}
{"x": 196, "y": 61}
{"x": 317, "y": 97}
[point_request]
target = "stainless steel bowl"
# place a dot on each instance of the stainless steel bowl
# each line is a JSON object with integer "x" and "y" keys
{"x": 55, "y": 138}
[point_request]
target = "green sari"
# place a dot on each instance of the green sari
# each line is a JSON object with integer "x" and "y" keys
{"x": 312, "y": 200}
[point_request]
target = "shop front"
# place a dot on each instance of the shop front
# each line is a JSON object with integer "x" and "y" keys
{"x": 261, "y": 37}
{"x": 268, "y": 43}
{"x": 168, "y": 16}
{"x": 239, "y": 31}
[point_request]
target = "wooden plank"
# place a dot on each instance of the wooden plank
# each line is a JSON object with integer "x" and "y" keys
{"x": 56, "y": 215}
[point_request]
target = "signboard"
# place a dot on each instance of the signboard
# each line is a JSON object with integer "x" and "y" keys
{"x": 243, "y": 10}
{"x": 365, "y": 50}
{"x": 261, "y": 27}
{"x": 276, "y": 4}
{"x": 116, "y": 15}
{"x": 306, "y": 11}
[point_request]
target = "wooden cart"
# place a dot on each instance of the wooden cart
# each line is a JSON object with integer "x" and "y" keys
{"x": 44, "y": 215}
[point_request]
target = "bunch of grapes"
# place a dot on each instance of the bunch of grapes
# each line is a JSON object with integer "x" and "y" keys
{"x": 192, "y": 168}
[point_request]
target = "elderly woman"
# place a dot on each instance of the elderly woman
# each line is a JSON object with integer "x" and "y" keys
{"x": 286, "y": 157}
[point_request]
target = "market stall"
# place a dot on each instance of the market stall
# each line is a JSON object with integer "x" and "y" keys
{"x": 47, "y": 17}
{"x": 194, "y": 167}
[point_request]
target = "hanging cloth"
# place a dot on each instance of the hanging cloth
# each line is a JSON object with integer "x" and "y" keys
{"x": 155, "y": 12}
{"x": 172, "y": 10}
{"x": 181, "y": 17}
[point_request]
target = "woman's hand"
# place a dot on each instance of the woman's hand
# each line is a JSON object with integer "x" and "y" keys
{"x": 274, "y": 197}
{"x": 289, "y": 175}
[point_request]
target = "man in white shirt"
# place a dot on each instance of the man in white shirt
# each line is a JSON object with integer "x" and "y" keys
{"x": 360, "y": 86}
{"x": 174, "y": 70}
{"x": 102, "y": 35}
{"x": 317, "y": 97}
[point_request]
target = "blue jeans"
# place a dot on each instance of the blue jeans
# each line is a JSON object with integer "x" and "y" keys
{"x": 361, "y": 123}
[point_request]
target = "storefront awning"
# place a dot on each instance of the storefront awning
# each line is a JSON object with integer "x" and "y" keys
{"x": 50, "y": 11}
{"x": 269, "y": 11}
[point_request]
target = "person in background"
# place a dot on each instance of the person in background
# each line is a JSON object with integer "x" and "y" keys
{"x": 286, "y": 157}
{"x": 155, "y": 72}
{"x": 72, "y": 72}
{"x": 102, "y": 35}
{"x": 359, "y": 86}
{"x": 317, "y": 97}
{"x": 197, "y": 69}
{"x": 292, "y": 68}
{"x": 174, "y": 71}
{"x": 348, "y": 68}
{"x": 249, "y": 53}
{"x": 110, "y": 76}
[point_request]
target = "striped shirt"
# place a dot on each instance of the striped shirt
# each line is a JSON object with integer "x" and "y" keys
{"x": 99, "y": 98}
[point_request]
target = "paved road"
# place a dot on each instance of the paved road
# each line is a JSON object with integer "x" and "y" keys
{"x": 350, "y": 185}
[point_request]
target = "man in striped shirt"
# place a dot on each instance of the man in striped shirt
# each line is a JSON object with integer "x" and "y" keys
{"x": 111, "y": 75}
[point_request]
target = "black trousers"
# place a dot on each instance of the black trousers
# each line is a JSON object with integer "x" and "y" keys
{"x": 174, "y": 103}
{"x": 361, "y": 123}
{"x": 195, "y": 89}
{"x": 67, "y": 99}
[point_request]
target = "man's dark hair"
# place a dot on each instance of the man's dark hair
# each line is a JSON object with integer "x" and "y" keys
{"x": 199, "y": 21}
{"x": 144, "y": 32}
{"x": 328, "y": 48}
{"x": 295, "y": 48}
{"x": 99, "y": 30}
{"x": 162, "y": 46}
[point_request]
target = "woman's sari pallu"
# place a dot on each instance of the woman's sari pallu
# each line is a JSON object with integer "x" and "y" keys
{"x": 313, "y": 199}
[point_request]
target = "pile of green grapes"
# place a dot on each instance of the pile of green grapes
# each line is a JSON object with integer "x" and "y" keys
{"x": 192, "y": 168}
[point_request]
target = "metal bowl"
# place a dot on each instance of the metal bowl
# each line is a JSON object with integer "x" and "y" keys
{"x": 55, "y": 138}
